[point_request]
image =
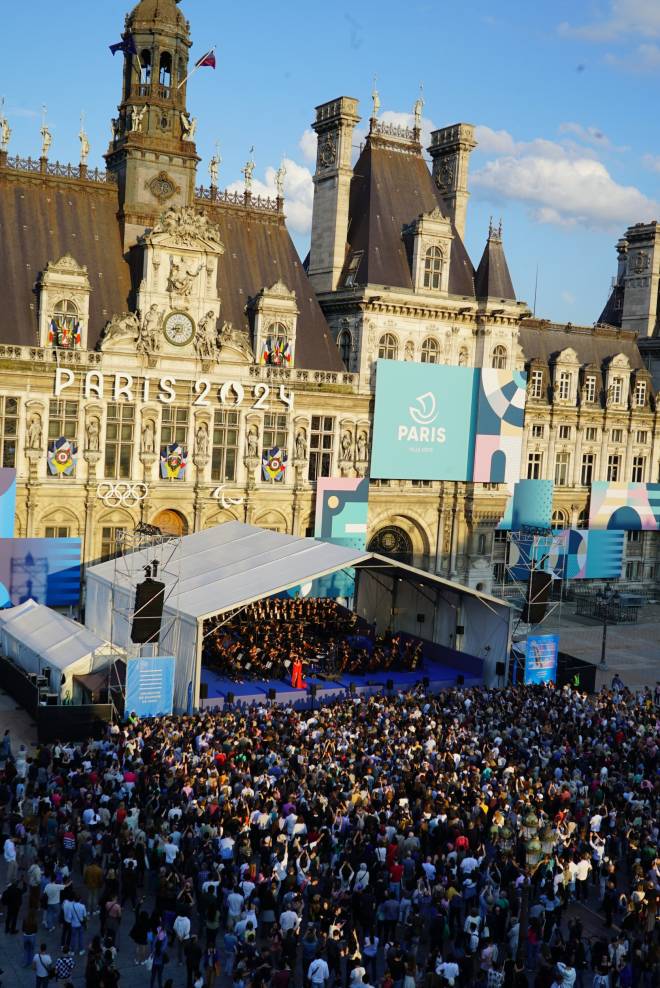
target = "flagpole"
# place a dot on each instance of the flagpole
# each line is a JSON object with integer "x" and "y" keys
{"x": 197, "y": 66}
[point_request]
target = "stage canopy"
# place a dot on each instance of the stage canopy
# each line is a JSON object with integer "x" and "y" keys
{"x": 220, "y": 569}
{"x": 45, "y": 642}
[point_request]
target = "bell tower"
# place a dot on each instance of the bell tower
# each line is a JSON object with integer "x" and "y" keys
{"x": 152, "y": 150}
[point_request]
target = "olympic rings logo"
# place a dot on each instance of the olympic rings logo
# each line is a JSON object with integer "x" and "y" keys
{"x": 128, "y": 495}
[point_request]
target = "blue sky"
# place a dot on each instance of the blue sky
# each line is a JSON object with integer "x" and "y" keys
{"x": 565, "y": 97}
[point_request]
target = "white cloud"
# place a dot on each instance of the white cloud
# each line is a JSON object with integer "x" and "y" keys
{"x": 641, "y": 59}
{"x": 620, "y": 18}
{"x": 589, "y": 135}
{"x": 562, "y": 188}
{"x": 307, "y": 145}
{"x": 298, "y": 193}
{"x": 494, "y": 141}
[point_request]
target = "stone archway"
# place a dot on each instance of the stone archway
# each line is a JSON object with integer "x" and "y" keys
{"x": 171, "y": 522}
{"x": 393, "y": 541}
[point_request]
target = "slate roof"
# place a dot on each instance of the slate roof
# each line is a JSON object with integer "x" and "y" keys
{"x": 42, "y": 218}
{"x": 611, "y": 314}
{"x": 544, "y": 341}
{"x": 492, "y": 279}
{"x": 389, "y": 190}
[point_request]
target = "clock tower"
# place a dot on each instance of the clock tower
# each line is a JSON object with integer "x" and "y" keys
{"x": 152, "y": 150}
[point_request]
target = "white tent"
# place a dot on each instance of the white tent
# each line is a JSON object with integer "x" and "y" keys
{"x": 226, "y": 567}
{"x": 43, "y": 641}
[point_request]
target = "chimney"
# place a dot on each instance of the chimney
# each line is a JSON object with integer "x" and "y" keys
{"x": 450, "y": 150}
{"x": 334, "y": 125}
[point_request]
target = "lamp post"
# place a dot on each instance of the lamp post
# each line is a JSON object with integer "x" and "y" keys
{"x": 606, "y": 599}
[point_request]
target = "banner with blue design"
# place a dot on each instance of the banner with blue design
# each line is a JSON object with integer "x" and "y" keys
{"x": 541, "y": 659}
{"x": 150, "y": 685}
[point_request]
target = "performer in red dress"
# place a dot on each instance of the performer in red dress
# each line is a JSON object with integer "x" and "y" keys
{"x": 297, "y": 680}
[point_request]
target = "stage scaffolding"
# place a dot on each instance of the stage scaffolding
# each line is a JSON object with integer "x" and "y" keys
{"x": 129, "y": 570}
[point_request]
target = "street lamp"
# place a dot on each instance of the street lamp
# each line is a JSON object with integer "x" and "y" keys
{"x": 605, "y": 599}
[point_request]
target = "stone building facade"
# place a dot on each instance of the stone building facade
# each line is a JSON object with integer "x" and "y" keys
{"x": 142, "y": 312}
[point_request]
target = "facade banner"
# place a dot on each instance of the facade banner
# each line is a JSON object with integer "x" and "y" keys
{"x": 150, "y": 685}
{"x": 424, "y": 421}
{"x": 7, "y": 501}
{"x": 45, "y": 570}
{"x": 541, "y": 659}
{"x": 342, "y": 506}
{"x": 624, "y": 507}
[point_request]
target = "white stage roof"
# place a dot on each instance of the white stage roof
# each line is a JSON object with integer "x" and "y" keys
{"x": 229, "y": 565}
{"x": 56, "y": 639}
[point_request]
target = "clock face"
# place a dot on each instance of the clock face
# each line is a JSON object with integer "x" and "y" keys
{"x": 179, "y": 329}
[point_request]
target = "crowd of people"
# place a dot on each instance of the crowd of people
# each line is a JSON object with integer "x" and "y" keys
{"x": 397, "y": 841}
{"x": 266, "y": 638}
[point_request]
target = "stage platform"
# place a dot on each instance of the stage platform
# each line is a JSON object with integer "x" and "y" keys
{"x": 440, "y": 676}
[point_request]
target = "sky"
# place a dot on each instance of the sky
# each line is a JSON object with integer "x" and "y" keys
{"x": 564, "y": 97}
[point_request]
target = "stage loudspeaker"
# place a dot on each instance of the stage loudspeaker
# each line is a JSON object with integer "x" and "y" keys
{"x": 149, "y": 599}
{"x": 203, "y": 691}
{"x": 538, "y": 592}
{"x": 421, "y": 618}
{"x": 425, "y": 682}
{"x": 271, "y": 694}
{"x": 389, "y": 685}
{"x": 460, "y": 629}
{"x": 500, "y": 668}
{"x": 460, "y": 680}
{"x": 312, "y": 690}
{"x": 229, "y": 697}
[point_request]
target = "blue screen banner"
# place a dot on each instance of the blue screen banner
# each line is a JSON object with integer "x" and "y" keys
{"x": 150, "y": 685}
{"x": 424, "y": 421}
{"x": 541, "y": 659}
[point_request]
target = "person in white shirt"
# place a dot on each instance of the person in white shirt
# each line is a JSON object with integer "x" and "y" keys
{"x": 171, "y": 851}
{"x": 235, "y": 903}
{"x": 52, "y": 892}
{"x": 289, "y": 920}
{"x": 582, "y": 870}
{"x": 76, "y": 916}
{"x": 181, "y": 927}
{"x": 318, "y": 972}
{"x": 10, "y": 860}
{"x": 42, "y": 965}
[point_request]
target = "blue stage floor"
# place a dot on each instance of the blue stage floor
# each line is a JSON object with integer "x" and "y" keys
{"x": 256, "y": 691}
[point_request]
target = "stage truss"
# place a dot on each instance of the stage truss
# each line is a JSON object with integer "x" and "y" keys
{"x": 129, "y": 570}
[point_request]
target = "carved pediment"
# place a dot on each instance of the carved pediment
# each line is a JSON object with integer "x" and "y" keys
{"x": 185, "y": 226}
{"x": 236, "y": 339}
{"x": 66, "y": 265}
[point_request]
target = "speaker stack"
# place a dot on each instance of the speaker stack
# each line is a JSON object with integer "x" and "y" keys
{"x": 148, "y": 613}
{"x": 538, "y": 592}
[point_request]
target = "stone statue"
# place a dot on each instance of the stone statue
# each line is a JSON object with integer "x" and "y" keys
{"x": 361, "y": 446}
{"x": 248, "y": 171}
{"x": 252, "y": 443}
{"x": 137, "y": 116}
{"x": 202, "y": 440}
{"x": 46, "y": 140}
{"x": 417, "y": 110}
{"x": 126, "y": 324}
{"x": 181, "y": 278}
{"x": 280, "y": 175}
{"x": 147, "y": 341}
{"x": 301, "y": 446}
{"x": 187, "y": 227}
{"x": 409, "y": 351}
{"x": 346, "y": 446}
{"x": 206, "y": 343}
{"x": 114, "y": 128}
{"x": 189, "y": 125}
{"x": 214, "y": 165}
{"x": 84, "y": 146}
{"x": 148, "y": 445}
{"x": 34, "y": 434}
{"x": 5, "y": 134}
{"x": 92, "y": 433}
{"x": 375, "y": 99}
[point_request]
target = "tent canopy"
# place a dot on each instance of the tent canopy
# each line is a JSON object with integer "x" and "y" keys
{"x": 230, "y": 565}
{"x": 59, "y": 641}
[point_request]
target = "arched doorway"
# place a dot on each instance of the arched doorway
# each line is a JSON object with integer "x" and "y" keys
{"x": 171, "y": 522}
{"x": 393, "y": 541}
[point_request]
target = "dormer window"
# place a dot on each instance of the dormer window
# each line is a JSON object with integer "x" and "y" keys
{"x": 564, "y": 386}
{"x": 615, "y": 390}
{"x": 499, "y": 358}
{"x": 275, "y": 316}
{"x": 351, "y": 272}
{"x": 277, "y": 350}
{"x": 433, "y": 264}
{"x": 64, "y": 330}
{"x": 640, "y": 394}
{"x": 536, "y": 384}
{"x": 590, "y": 388}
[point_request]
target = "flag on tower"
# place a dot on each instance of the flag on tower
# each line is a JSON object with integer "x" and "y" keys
{"x": 206, "y": 60}
{"x": 127, "y": 45}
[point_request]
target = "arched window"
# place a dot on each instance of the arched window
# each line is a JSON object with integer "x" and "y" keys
{"x": 145, "y": 67}
{"x": 388, "y": 348}
{"x": 276, "y": 349}
{"x": 499, "y": 357}
{"x": 583, "y": 518}
{"x": 345, "y": 344}
{"x": 165, "y": 74}
{"x": 64, "y": 329}
{"x": 430, "y": 351}
{"x": 433, "y": 268}
{"x": 559, "y": 519}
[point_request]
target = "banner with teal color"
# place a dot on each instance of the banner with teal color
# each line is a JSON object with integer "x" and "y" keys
{"x": 150, "y": 685}
{"x": 541, "y": 659}
{"x": 342, "y": 507}
{"x": 7, "y": 501}
{"x": 624, "y": 507}
{"x": 530, "y": 506}
{"x": 499, "y": 428}
{"x": 45, "y": 570}
{"x": 424, "y": 421}
{"x": 582, "y": 554}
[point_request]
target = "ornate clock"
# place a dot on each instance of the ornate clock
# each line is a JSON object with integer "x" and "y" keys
{"x": 179, "y": 329}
